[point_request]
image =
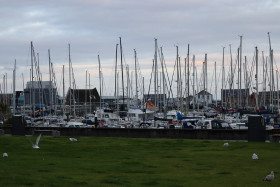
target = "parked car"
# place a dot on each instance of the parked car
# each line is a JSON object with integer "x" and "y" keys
{"x": 212, "y": 124}
{"x": 189, "y": 124}
{"x": 240, "y": 126}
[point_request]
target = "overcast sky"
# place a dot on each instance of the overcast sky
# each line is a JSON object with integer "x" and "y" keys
{"x": 93, "y": 27}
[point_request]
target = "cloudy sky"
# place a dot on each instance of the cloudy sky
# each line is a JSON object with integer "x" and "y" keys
{"x": 93, "y": 28}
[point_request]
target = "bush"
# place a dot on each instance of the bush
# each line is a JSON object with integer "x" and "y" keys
{"x": 9, "y": 121}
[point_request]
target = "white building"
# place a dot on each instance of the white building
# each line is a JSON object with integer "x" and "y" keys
{"x": 203, "y": 98}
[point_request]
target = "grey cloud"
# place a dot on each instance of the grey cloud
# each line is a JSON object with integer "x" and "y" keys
{"x": 94, "y": 27}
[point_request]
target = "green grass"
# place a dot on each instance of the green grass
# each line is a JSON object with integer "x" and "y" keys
{"x": 133, "y": 162}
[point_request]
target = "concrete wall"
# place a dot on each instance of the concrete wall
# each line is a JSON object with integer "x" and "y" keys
{"x": 146, "y": 133}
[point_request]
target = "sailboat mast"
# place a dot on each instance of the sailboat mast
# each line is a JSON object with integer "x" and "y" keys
{"x": 156, "y": 74}
{"x": 204, "y": 86}
{"x": 197, "y": 88}
{"x": 63, "y": 85}
{"x": 100, "y": 86}
{"x": 188, "y": 78}
{"x": 257, "y": 88}
{"x": 122, "y": 68}
{"x": 178, "y": 84}
{"x": 264, "y": 79}
{"x": 163, "y": 83}
{"x": 127, "y": 85}
{"x": 231, "y": 78}
{"x": 14, "y": 89}
{"x": 30, "y": 88}
{"x": 143, "y": 100}
{"x": 117, "y": 93}
{"x": 277, "y": 77}
{"x": 52, "y": 89}
{"x": 86, "y": 94}
{"x": 240, "y": 73}
{"x": 50, "y": 82}
{"x": 40, "y": 85}
{"x": 70, "y": 91}
{"x": 223, "y": 76}
{"x": 185, "y": 91}
{"x": 135, "y": 57}
{"x": 272, "y": 80}
{"x": 32, "y": 81}
{"x": 23, "y": 93}
{"x": 90, "y": 96}
{"x": 116, "y": 67}
{"x": 206, "y": 80}
{"x": 246, "y": 83}
{"x": 2, "y": 99}
{"x": 272, "y": 72}
{"x": 238, "y": 77}
{"x": 193, "y": 82}
{"x": 216, "y": 83}
{"x": 181, "y": 85}
{"x": 6, "y": 82}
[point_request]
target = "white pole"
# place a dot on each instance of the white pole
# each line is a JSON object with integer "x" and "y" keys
{"x": 70, "y": 92}
{"x": 63, "y": 97}
{"x": 223, "y": 76}
{"x": 86, "y": 95}
{"x": 277, "y": 76}
{"x": 23, "y": 93}
{"x": 257, "y": 89}
{"x": 216, "y": 84}
{"x": 90, "y": 96}
{"x": 14, "y": 89}
{"x": 193, "y": 82}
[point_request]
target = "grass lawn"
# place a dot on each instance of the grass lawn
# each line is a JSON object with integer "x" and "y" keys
{"x": 94, "y": 161}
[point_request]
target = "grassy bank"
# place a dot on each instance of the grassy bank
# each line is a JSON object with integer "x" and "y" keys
{"x": 135, "y": 162}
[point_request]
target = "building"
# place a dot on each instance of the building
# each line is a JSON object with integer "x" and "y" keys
{"x": 241, "y": 97}
{"x": 6, "y": 98}
{"x": 84, "y": 100}
{"x": 40, "y": 92}
{"x": 265, "y": 99}
{"x": 203, "y": 98}
{"x": 232, "y": 97}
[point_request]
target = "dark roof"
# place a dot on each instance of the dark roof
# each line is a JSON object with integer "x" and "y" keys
{"x": 203, "y": 92}
{"x": 83, "y": 95}
{"x": 235, "y": 92}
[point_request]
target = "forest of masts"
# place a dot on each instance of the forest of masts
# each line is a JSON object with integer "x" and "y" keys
{"x": 180, "y": 86}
